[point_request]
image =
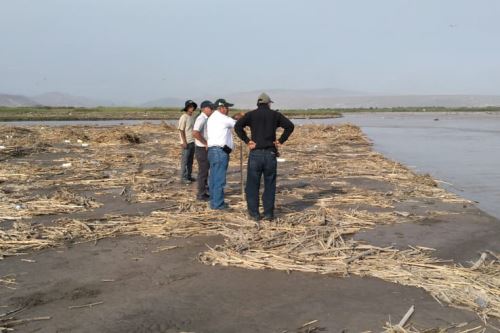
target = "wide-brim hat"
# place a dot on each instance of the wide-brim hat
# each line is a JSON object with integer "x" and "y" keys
{"x": 189, "y": 103}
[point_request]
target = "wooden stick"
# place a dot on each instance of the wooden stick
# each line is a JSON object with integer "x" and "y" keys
{"x": 309, "y": 323}
{"x": 407, "y": 316}
{"x": 84, "y": 306}
{"x": 8, "y": 313}
{"x": 361, "y": 255}
{"x": 22, "y": 321}
{"x": 491, "y": 253}
{"x": 480, "y": 261}
{"x": 241, "y": 169}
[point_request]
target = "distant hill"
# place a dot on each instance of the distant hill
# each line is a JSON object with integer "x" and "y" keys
{"x": 61, "y": 99}
{"x": 283, "y": 98}
{"x": 16, "y": 100}
{"x": 247, "y": 99}
{"x": 336, "y": 98}
{"x": 290, "y": 98}
{"x": 164, "y": 102}
{"x": 328, "y": 98}
{"x": 403, "y": 101}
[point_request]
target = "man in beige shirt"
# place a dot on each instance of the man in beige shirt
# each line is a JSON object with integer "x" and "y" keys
{"x": 185, "y": 127}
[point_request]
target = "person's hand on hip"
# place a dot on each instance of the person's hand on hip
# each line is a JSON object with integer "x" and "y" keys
{"x": 251, "y": 145}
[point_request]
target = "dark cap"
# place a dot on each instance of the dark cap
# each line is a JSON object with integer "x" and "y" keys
{"x": 264, "y": 99}
{"x": 207, "y": 104}
{"x": 189, "y": 103}
{"x": 222, "y": 102}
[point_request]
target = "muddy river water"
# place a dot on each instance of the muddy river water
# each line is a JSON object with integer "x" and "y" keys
{"x": 460, "y": 149}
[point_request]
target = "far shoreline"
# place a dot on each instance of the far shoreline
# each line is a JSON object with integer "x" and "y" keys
{"x": 16, "y": 114}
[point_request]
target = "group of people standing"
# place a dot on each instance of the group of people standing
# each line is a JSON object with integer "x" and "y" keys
{"x": 209, "y": 138}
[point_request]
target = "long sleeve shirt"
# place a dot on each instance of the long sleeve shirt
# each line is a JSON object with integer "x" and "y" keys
{"x": 263, "y": 123}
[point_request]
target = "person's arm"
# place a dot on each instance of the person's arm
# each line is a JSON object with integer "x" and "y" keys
{"x": 287, "y": 126}
{"x": 197, "y": 135}
{"x": 182, "y": 130}
{"x": 238, "y": 116}
{"x": 198, "y": 126}
{"x": 230, "y": 122}
{"x": 239, "y": 128}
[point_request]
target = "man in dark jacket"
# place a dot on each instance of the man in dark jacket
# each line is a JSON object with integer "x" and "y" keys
{"x": 263, "y": 146}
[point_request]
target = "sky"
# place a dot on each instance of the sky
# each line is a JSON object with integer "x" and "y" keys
{"x": 132, "y": 51}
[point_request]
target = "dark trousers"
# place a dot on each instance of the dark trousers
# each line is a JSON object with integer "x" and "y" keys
{"x": 201, "y": 154}
{"x": 187, "y": 158}
{"x": 261, "y": 162}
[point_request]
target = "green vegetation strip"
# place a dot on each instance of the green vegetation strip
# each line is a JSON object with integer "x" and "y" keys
{"x": 122, "y": 113}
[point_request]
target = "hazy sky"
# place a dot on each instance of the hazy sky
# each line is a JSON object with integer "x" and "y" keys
{"x": 137, "y": 50}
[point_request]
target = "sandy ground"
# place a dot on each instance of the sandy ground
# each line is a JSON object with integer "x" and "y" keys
{"x": 171, "y": 292}
{"x": 137, "y": 287}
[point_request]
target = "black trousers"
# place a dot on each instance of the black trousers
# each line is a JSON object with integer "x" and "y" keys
{"x": 187, "y": 157}
{"x": 261, "y": 162}
{"x": 203, "y": 166}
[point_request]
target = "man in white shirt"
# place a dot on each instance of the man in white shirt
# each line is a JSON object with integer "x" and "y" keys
{"x": 201, "y": 148}
{"x": 220, "y": 145}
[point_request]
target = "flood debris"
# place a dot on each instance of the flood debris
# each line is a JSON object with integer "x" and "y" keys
{"x": 320, "y": 207}
{"x": 8, "y": 281}
{"x": 480, "y": 261}
{"x": 8, "y": 324}
{"x": 131, "y": 138}
{"x": 18, "y": 207}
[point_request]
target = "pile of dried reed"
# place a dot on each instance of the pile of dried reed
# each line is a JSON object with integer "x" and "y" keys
{"x": 62, "y": 201}
{"x": 315, "y": 246}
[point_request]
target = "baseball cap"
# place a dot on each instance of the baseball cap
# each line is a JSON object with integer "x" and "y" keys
{"x": 207, "y": 104}
{"x": 222, "y": 102}
{"x": 264, "y": 98}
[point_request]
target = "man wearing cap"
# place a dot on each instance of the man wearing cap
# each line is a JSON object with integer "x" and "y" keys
{"x": 220, "y": 144}
{"x": 263, "y": 146}
{"x": 185, "y": 127}
{"x": 201, "y": 148}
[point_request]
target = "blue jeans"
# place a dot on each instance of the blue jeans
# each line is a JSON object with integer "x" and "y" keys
{"x": 261, "y": 162}
{"x": 219, "y": 161}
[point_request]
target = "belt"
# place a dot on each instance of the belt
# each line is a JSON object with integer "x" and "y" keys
{"x": 271, "y": 149}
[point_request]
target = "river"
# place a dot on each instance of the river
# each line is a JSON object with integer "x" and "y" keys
{"x": 461, "y": 149}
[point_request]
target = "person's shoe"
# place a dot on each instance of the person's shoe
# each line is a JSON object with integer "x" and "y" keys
{"x": 269, "y": 218}
{"x": 203, "y": 197}
{"x": 185, "y": 181}
{"x": 191, "y": 179}
{"x": 254, "y": 217}
{"x": 223, "y": 207}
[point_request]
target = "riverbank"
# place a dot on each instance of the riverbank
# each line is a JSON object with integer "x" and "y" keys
{"x": 122, "y": 113}
{"x": 130, "y": 113}
{"x": 344, "y": 211}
